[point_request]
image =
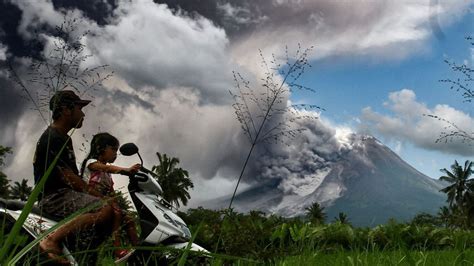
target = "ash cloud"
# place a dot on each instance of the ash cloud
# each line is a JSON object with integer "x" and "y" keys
{"x": 173, "y": 68}
{"x": 303, "y": 163}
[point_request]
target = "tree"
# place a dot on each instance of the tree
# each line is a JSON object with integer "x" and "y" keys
{"x": 21, "y": 190}
{"x": 445, "y": 216}
{"x": 4, "y": 186}
{"x": 460, "y": 182}
{"x": 424, "y": 218}
{"x": 174, "y": 181}
{"x": 342, "y": 218}
{"x": 461, "y": 188}
{"x": 315, "y": 213}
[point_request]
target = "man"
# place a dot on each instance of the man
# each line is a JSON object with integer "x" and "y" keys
{"x": 65, "y": 192}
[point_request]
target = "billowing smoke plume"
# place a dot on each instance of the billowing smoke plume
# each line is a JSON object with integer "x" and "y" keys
{"x": 173, "y": 66}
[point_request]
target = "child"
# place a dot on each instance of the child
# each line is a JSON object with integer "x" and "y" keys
{"x": 96, "y": 171}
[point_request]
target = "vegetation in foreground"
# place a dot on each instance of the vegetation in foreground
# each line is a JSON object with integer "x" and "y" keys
{"x": 399, "y": 257}
{"x": 249, "y": 239}
{"x": 255, "y": 238}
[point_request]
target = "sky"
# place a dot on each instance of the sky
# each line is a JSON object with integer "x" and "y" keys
{"x": 375, "y": 69}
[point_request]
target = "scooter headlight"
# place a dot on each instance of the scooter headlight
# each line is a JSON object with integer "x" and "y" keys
{"x": 187, "y": 233}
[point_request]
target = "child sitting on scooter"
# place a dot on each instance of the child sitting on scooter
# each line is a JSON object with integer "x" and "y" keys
{"x": 96, "y": 170}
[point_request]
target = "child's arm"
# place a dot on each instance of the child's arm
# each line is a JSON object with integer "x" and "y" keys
{"x": 113, "y": 169}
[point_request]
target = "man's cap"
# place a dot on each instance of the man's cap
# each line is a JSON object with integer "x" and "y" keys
{"x": 66, "y": 97}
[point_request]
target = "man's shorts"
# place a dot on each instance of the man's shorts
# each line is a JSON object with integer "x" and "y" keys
{"x": 66, "y": 201}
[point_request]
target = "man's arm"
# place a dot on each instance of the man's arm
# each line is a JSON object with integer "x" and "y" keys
{"x": 76, "y": 183}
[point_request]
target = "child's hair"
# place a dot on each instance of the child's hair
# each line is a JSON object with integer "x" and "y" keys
{"x": 99, "y": 143}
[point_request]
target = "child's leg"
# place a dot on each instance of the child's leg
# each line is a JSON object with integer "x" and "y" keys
{"x": 117, "y": 221}
{"x": 131, "y": 230}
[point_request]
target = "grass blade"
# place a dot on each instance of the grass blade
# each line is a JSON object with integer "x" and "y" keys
{"x": 182, "y": 260}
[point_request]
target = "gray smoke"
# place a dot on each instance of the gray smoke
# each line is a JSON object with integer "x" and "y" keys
{"x": 173, "y": 68}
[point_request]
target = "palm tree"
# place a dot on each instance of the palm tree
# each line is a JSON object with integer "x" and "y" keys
{"x": 174, "y": 181}
{"x": 460, "y": 183}
{"x": 3, "y": 153}
{"x": 4, "y": 186}
{"x": 315, "y": 213}
{"x": 21, "y": 190}
{"x": 460, "y": 191}
{"x": 342, "y": 218}
{"x": 445, "y": 216}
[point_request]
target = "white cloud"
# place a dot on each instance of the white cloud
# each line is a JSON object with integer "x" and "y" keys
{"x": 409, "y": 123}
{"x": 149, "y": 45}
{"x": 35, "y": 14}
{"x": 239, "y": 15}
{"x": 398, "y": 147}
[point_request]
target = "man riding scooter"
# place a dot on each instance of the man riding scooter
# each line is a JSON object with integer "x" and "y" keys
{"x": 65, "y": 192}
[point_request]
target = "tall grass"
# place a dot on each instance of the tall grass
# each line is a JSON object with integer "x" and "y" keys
{"x": 397, "y": 257}
{"x": 255, "y": 240}
{"x": 273, "y": 239}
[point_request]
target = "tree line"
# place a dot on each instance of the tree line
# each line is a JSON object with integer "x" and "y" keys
{"x": 16, "y": 190}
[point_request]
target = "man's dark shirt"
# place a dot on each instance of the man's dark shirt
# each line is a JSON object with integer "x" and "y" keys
{"x": 45, "y": 155}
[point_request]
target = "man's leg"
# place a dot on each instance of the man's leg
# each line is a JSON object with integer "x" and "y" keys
{"x": 51, "y": 243}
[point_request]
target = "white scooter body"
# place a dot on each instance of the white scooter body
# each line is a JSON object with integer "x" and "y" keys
{"x": 159, "y": 224}
{"x": 163, "y": 225}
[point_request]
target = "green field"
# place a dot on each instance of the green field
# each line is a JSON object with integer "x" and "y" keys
{"x": 400, "y": 257}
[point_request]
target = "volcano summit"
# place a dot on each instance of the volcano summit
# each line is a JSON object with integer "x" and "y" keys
{"x": 367, "y": 181}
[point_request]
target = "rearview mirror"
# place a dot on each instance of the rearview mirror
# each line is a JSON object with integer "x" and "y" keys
{"x": 128, "y": 149}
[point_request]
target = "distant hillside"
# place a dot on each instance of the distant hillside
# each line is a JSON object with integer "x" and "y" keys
{"x": 370, "y": 183}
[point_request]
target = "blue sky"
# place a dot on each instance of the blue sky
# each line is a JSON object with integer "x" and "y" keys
{"x": 344, "y": 86}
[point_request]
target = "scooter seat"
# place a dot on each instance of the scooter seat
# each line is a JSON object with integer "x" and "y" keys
{"x": 18, "y": 205}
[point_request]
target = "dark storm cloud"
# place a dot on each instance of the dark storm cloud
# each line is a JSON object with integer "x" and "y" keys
{"x": 126, "y": 98}
{"x": 97, "y": 10}
{"x": 19, "y": 46}
{"x": 236, "y": 17}
{"x": 12, "y": 101}
{"x": 10, "y": 16}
